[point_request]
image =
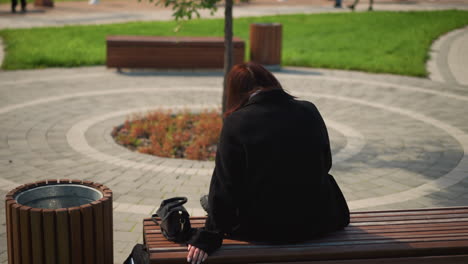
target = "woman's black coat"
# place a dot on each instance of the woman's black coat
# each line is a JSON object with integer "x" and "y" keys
{"x": 271, "y": 180}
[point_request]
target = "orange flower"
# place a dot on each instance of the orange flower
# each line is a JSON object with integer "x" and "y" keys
{"x": 162, "y": 133}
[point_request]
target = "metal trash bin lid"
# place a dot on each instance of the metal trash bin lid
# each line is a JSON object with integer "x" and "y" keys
{"x": 58, "y": 196}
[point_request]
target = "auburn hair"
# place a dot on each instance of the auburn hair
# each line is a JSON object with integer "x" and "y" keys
{"x": 245, "y": 79}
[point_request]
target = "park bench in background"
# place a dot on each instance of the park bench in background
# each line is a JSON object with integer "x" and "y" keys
{"x": 169, "y": 52}
{"x": 423, "y": 236}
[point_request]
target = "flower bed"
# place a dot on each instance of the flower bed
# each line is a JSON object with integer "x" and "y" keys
{"x": 174, "y": 135}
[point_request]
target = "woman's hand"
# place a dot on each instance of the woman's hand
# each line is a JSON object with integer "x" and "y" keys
{"x": 196, "y": 255}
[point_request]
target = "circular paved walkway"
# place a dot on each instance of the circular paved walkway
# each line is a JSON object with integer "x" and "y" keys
{"x": 397, "y": 142}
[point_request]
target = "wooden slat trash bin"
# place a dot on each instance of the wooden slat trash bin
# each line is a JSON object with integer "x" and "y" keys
{"x": 59, "y": 221}
{"x": 266, "y": 44}
{"x": 423, "y": 236}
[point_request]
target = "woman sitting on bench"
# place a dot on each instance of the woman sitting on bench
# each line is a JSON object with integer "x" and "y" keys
{"x": 271, "y": 181}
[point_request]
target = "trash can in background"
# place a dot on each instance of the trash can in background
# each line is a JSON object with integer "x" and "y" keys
{"x": 59, "y": 221}
{"x": 265, "y": 44}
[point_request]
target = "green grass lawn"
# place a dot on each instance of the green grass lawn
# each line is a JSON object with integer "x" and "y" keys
{"x": 390, "y": 42}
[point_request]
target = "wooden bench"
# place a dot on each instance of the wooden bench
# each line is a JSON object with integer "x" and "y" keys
{"x": 169, "y": 52}
{"x": 424, "y": 236}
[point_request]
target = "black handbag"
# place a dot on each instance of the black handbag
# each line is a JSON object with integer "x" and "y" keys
{"x": 175, "y": 221}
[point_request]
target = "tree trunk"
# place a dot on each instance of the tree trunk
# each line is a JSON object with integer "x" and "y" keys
{"x": 228, "y": 48}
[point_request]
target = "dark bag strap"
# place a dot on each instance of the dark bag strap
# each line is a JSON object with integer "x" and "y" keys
{"x": 153, "y": 217}
{"x": 174, "y": 202}
{"x": 170, "y": 203}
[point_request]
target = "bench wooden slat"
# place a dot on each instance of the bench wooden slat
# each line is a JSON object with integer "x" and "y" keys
{"x": 329, "y": 243}
{"x": 418, "y": 210}
{"x": 151, "y": 230}
{"x": 351, "y": 230}
{"x": 149, "y": 225}
{"x": 408, "y": 228}
{"x": 168, "y": 41}
{"x": 317, "y": 247}
{"x": 244, "y": 254}
{"x": 382, "y": 235}
{"x": 407, "y": 217}
{"x": 363, "y": 237}
{"x": 408, "y": 260}
{"x": 344, "y": 236}
{"x": 401, "y": 222}
{"x": 410, "y": 215}
{"x": 409, "y": 225}
{"x": 170, "y": 52}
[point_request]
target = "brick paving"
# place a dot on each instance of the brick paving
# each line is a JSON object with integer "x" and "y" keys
{"x": 397, "y": 142}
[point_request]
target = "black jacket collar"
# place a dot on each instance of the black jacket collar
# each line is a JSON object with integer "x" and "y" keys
{"x": 269, "y": 96}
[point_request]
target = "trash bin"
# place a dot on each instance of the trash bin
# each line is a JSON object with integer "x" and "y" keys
{"x": 59, "y": 221}
{"x": 265, "y": 44}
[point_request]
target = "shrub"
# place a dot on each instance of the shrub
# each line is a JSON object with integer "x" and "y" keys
{"x": 175, "y": 135}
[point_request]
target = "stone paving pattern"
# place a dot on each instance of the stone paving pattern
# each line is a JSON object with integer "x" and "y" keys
{"x": 397, "y": 142}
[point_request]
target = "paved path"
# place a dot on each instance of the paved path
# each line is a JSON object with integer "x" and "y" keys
{"x": 72, "y": 13}
{"x": 397, "y": 142}
{"x": 449, "y": 58}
